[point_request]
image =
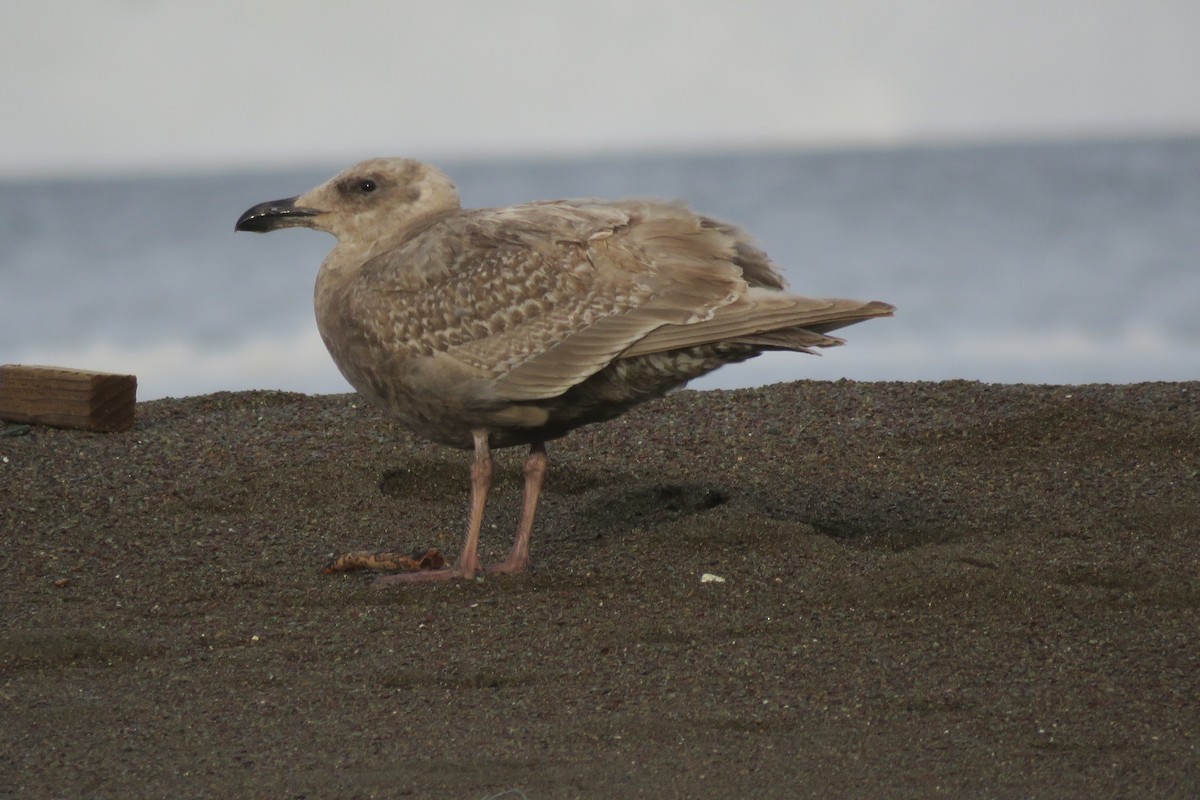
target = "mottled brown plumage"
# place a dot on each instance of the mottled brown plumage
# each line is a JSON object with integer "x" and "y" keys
{"x": 496, "y": 327}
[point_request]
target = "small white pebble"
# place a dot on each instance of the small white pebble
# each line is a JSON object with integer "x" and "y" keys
{"x": 708, "y": 577}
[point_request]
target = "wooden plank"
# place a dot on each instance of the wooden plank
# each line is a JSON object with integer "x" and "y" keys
{"x": 67, "y": 398}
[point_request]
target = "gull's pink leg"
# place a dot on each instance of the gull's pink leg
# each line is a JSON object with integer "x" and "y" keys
{"x": 468, "y": 560}
{"x": 536, "y": 465}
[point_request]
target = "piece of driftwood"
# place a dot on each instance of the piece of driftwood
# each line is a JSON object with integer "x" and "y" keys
{"x": 363, "y": 559}
{"x": 67, "y": 398}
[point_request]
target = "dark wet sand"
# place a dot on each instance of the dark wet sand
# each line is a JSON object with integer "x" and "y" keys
{"x": 946, "y": 589}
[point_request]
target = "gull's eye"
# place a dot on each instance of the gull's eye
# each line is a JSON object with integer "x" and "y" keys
{"x": 357, "y": 187}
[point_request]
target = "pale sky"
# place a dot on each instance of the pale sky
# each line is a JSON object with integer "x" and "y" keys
{"x": 143, "y": 85}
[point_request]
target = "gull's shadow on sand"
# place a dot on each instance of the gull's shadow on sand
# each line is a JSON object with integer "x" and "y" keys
{"x": 859, "y": 515}
{"x": 644, "y": 506}
{"x": 598, "y": 501}
{"x": 864, "y": 516}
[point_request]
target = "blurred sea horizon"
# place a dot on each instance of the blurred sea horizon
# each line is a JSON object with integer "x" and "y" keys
{"x": 1031, "y": 262}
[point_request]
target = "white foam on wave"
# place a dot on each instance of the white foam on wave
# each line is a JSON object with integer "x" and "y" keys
{"x": 296, "y": 363}
{"x": 1132, "y": 354}
{"x": 300, "y": 363}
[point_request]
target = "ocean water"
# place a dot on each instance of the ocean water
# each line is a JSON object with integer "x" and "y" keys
{"x": 1036, "y": 262}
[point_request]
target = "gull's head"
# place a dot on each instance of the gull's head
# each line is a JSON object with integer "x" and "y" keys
{"x": 376, "y": 201}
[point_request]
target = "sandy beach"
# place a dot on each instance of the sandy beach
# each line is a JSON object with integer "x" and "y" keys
{"x": 930, "y": 589}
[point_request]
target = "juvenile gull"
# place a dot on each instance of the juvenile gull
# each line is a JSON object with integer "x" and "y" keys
{"x": 482, "y": 328}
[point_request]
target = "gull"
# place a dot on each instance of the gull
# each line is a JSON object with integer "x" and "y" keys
{"x": 498, "y": 327}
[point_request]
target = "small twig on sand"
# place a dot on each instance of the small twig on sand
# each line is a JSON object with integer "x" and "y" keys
{"x": 384, "y": 560}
